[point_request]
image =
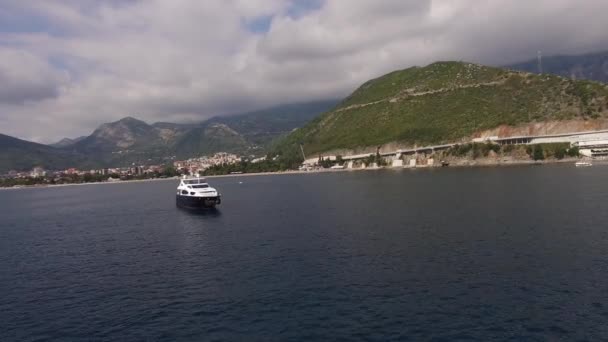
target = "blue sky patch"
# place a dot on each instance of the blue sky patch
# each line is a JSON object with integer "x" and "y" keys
{"x": 15, "y": 20}
{"x": 259, "y": 25}
{"x": 299, "y": 8}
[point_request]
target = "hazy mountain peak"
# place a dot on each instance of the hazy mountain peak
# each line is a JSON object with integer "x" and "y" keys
{"x": 65, "y": 142}
{"x": 122, "y": 134}
{"x": 130, "y": 119}
{"x": 62, "y": 143}
{"x": 591, "y": 66}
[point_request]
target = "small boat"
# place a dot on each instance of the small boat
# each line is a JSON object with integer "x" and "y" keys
{"x": 444, "y": 163}
{"x": 582, "y": 164}
{"x": 195, "y": 193}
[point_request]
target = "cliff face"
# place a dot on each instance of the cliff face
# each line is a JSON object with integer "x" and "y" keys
{"x": 544, "y": 128}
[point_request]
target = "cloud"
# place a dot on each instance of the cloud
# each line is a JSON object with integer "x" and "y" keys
{"x": 67, "y": 66}
{"x": 25, "y": 77}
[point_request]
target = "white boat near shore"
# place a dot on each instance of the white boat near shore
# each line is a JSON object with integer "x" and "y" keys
{"x": 582, "y": 164}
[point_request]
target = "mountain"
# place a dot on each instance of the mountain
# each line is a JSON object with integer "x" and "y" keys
{"x": 209, "y": 138}
{"x": 263, "y": 126}
{"x": 17, "y": 154}
{"x": 65, "y": 142}
{"x": 130, "y": 140}
{"x": 592, "y": 66}
{"x": 126, "y": 133}
{"x": 246, "y": 133}
{"x": 444, "y": 102}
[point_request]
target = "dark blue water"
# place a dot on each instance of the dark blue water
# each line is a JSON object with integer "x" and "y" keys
{"x": 482, "y": 254}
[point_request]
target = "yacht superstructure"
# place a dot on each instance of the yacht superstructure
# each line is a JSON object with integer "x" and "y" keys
{"x": 195, "y": 192}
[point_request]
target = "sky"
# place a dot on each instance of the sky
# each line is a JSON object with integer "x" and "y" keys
{"x": 67, "y": 66}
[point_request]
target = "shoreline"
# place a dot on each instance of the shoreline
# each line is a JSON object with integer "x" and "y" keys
{"x": 466, "y": 164}
{"x": 44, "y": 186}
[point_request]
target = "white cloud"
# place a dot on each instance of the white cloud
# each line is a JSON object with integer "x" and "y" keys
{"x": 25, "y": 77}
{"x": 70, "y": 65}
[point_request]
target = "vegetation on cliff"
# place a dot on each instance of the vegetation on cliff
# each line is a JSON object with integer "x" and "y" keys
{"x": 520, "y": 152}
{"x": 444, "y": 102}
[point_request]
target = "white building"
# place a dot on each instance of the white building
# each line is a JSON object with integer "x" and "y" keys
{"x": 37, "y": 172}
{"x": 397, "y": 163}
{"x": 593, "y": 148}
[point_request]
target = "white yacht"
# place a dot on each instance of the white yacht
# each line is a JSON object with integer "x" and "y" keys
{"x": 195, "y": 193}
{"x": 582, "y": 164}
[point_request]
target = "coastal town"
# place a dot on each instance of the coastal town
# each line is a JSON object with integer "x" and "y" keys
{"x": 40, "y": 175}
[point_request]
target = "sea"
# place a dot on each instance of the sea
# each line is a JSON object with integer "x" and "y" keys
{"x": 449, "y": 254}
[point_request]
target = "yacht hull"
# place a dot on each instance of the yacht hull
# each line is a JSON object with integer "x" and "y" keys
{"x": 192, "y": 202}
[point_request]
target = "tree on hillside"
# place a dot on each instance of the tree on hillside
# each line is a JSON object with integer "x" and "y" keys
{"x": 537, "y": 153}
{"x": 573, "y": 151}
{"x": 325, "y": 163}
{"x": 379, "y": 160}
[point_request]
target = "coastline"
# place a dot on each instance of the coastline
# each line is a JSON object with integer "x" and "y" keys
{"x": 44, "y": 186}
{"x": 461, "y": 164}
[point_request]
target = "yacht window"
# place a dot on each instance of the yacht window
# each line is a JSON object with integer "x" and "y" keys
{"x": 202, "y": 186}
{"x": 184, "y": 192}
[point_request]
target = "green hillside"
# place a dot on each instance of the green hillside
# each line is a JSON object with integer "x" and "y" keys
{"x": 445, "y": 102}
{"x": 210, "y": 138}
{"x": 17, "y": 154}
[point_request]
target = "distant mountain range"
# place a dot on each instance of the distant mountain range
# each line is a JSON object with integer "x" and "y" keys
{"x": 444, "y": 101}
{"x": 130, "y": 140}
{"x": 592, "y": 66}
